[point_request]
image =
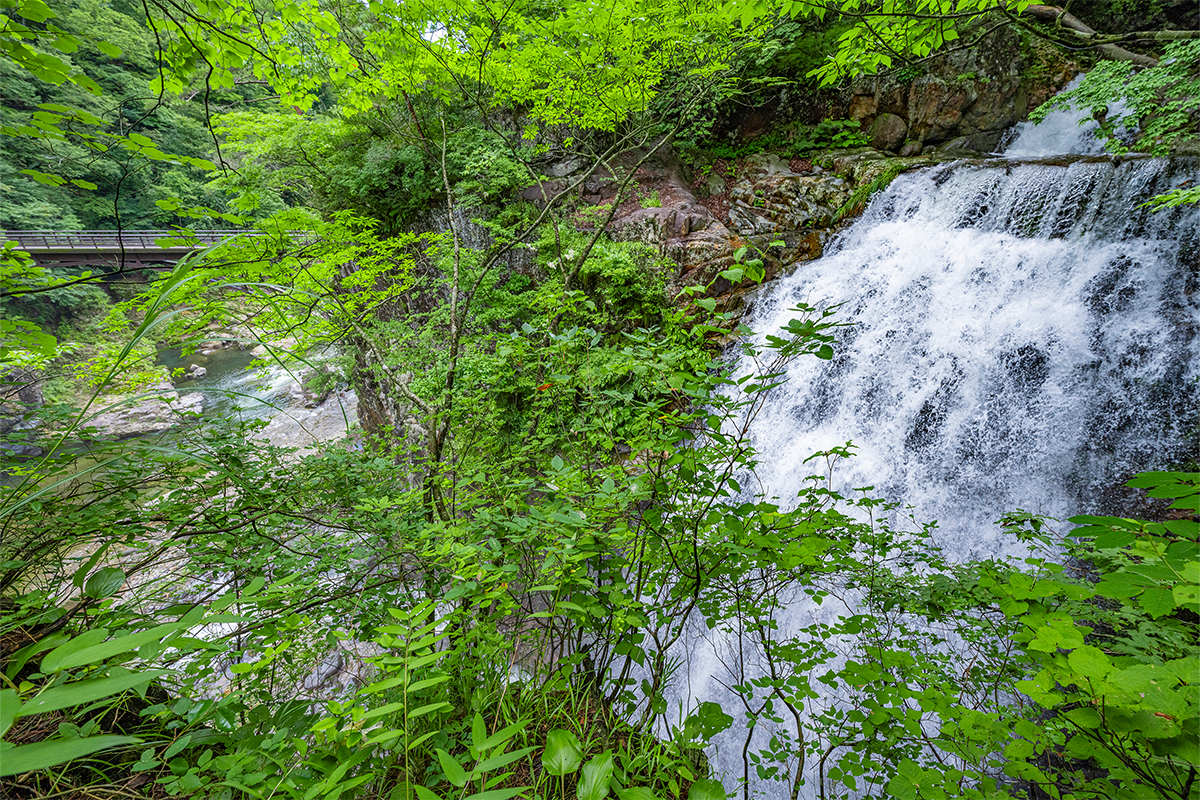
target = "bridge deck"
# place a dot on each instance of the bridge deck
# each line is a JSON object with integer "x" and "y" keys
{"x": 103, "y": 241}
{"x": 129, "y": 248}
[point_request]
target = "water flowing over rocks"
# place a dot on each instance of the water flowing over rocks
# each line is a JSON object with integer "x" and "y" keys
{"x": 1023, "y": 335}
{"x": 158, "y": 408}
{"x": 305, "y": 428}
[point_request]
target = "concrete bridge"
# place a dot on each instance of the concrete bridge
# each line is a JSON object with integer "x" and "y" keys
{"x": 114, "y": 249}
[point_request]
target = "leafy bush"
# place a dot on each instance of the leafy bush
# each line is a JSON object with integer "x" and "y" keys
{"x": 800, "y": 142}
{"x": 1161, "y": 104}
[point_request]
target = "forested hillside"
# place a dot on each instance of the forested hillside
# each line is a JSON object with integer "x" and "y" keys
{"x": 504, "y": 257}
{"x": 119, "y": 187}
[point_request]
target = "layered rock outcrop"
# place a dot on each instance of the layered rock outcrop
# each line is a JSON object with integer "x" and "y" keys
{"x": 971, "y": 95}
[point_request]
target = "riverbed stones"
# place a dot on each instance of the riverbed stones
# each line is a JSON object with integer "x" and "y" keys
{"x": 156, "y": 409}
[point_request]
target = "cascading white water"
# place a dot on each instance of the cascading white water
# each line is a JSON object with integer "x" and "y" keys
{"x": 1060, "y": 132}
{"x": 1023, "y": 335}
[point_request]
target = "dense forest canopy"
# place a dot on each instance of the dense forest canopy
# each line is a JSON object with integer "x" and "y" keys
{"x": 550, "y": 482}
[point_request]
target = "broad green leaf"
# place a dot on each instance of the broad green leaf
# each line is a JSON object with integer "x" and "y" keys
{"x": 426, "y": 683}
{"x": 478, "y": 731}
{"x": 424, "y": 792}
{"x": 1090, "y": 662}
{"x": 22, "y": 656}
{"x": 497, "y": 794}
{"x": 1158, "y": 601}
{"x": 635, "y": 793}
{"x": 177, "y": 747}
{"x": 429, "y": 709}
{"x": 76, "y": 652}
{"x": 454, "y": 771}
{"x": 563, "y": 753}
{"x": 382, "y": 711}
{"x": 1186, "y": 594}
{"x": 10, "y": 704}
{"x": 1085, "y": 717}
{"x": 502, "y": 760}
{"x": 81, "y": 692}
{"x": 707, "y": 789}
{"x": 42, "y": 755}
{"x": 593, "y": 780}
{"x": 706, "y": 721}
{"x": 104, "y": 582}
{"x": 503, "y": 735}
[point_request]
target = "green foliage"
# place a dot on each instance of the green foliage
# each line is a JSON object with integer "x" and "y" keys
{"x": 333, "y": 165}
{"x": 624, "y": 280}
{"x": 556, "y": 484}
{"x": 862, "y": 194}
{"x": 798, "y": 142}
{"x": 1160, "y": 104}
{"x": 86, "y": 111}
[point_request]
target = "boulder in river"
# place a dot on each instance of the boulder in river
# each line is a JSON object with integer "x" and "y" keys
{"x": 155, "y": 410}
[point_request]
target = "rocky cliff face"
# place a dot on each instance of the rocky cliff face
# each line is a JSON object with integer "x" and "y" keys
{"x": 784, "y": 210}
{"x": 968, "y": 97}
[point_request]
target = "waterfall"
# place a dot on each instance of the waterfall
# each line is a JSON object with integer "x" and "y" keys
{"x": 1023, "y": 334}
{"x": 1060, "y": 132}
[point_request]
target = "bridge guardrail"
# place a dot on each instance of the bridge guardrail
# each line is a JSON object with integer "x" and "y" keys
{"x": 100, "y": 241}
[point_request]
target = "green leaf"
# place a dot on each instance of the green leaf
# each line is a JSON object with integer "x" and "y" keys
{"x": 1085, "y": 717}
{"x": 563, "y": 753}
{"x": 1186, "y": 594}
{"x": 707, "y": 789}
{"x": 706, "y": 721}
{"x": 426, "y": 683}
{"x": 429, "y": 709}
{"x": 454, "y": 771}
{"x": 1158, "y": 601}
{"x": 502, "y": 735}
{"x": 497, "y": 794}
{"x": 502, "y": 760}
{"x": 84, "y": 82}
{"x": 80, "y": 651}
{"x": 1090, "y": 662}
{"x": 593, "y": 782}
{"x": 478, "y": 731}
{"x": 177, "y": 747}
{"x": 81, "y": 692}
{"x": 42, "y": 755}
{"x": 10, "y": 703}
{"x": 104, "y": 582}
{"x": 635, "y": 793}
